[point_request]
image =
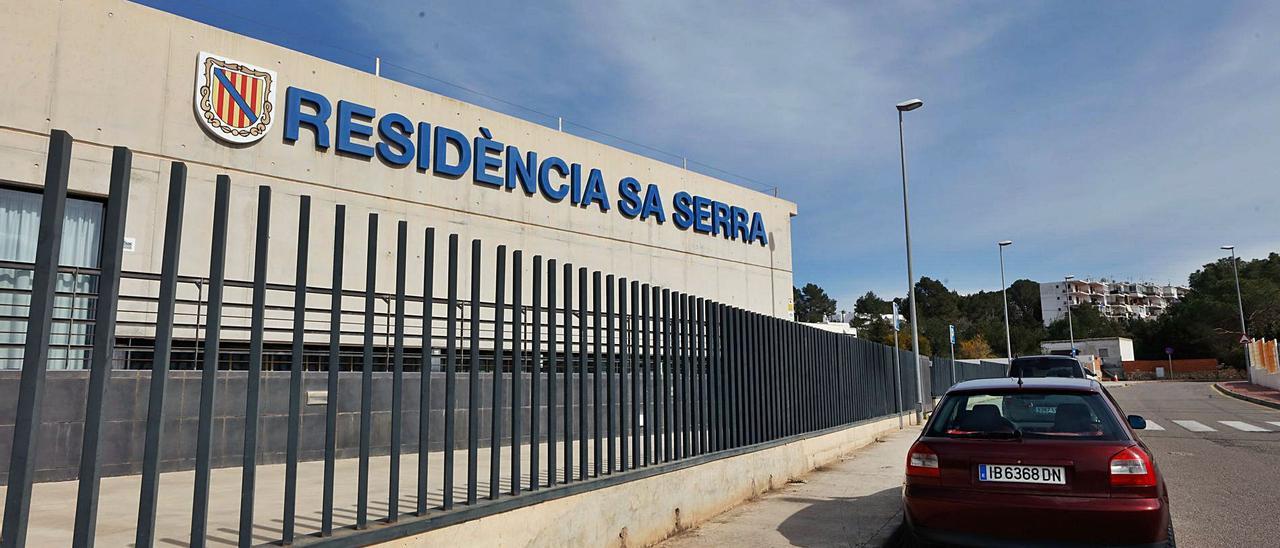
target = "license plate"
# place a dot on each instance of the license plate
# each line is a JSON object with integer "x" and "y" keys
{"x": 1019, "y": 473}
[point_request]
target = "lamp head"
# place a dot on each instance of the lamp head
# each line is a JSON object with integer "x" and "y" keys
{"x": 1003, "y": 243}
{"x": 1228, "y": 247}
{"x": 910, "y": 105}
{"x": 1069, "y": 277}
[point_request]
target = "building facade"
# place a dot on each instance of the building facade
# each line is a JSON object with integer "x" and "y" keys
{"x": 113, "y": 73}
{"x": 1114, "y": 299}
{"x": 1110, "y": 352}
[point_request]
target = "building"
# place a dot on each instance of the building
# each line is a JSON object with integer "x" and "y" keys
{"x": 1109, "y": 351}
{"x": 842, "y": 328}
{"x": 173, "y": 90}
{"x": 1114, "y": 299}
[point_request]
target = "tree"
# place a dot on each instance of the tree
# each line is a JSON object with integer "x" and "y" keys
{"x": 1088, "y": 322}
{"x": 975, "y": 348}
{"x": 812, "y": 303}
{"x": 872, "y": 304}
{"x": 904, "y": 339}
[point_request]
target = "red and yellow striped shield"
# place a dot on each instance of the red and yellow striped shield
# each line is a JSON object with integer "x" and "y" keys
{"x": 234, "y": 101}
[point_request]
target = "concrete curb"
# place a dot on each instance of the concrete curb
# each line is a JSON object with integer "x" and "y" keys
{"x": 1250, "y": 399}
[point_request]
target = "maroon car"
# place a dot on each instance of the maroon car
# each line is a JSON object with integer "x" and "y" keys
{"x": 1035, "y": 461}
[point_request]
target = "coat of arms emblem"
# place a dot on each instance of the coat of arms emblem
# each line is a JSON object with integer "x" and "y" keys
{"x": 234, "y": 101}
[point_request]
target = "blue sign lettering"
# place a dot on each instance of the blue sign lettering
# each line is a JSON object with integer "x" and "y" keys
{"x": 398, "y": 141}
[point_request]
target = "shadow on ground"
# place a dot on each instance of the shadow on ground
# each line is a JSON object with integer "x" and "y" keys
{"x": 831, "y": 521}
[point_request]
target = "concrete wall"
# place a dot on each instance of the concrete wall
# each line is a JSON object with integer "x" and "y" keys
{"x": 116, "y": 73}
{"x": 645, "y": 511}
{"x": 62, "y": 429}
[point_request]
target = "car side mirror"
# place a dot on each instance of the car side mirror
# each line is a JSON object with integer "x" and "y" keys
{"x": 1136, "y": 422}
{"x": 1090, "y": 373}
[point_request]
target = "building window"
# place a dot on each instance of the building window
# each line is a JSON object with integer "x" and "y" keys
{"x": 1102, "y": 352}
{"x": 69, "y": 341}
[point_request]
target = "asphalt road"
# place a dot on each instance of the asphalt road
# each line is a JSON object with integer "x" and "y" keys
{"x": 1223, "y": 477}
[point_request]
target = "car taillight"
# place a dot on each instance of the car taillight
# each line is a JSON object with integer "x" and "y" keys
{"x": 922, "y": 461}
{"x": 1132, "y": 467}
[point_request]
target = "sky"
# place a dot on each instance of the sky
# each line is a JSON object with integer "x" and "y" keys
{"x": 1106, "y": 139}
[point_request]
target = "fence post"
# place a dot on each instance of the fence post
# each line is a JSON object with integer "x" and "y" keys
{"x": 35, "y": 356}
{"x": 160, "y": 363}
{"x": 103, "y": 343}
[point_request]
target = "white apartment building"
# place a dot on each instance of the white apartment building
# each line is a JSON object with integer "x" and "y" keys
{"x": 1115, "y": 299}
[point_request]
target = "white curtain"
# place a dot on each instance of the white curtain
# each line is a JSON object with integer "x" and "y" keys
{"x": 73, "y": 306}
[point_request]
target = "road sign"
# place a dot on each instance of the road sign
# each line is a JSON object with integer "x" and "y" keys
{"x": 1168, "y": 350}
{"x": 1244, "y": 339}
{"x": 895, "y": 315}
{"x": 953, "y": 333}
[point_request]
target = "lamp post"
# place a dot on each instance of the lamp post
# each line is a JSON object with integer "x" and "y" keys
{"x": 908, "y": 106}
{"x": 1004, "y": 296}
{"x": 1239, "y": 299}
{"x": 1071, "y": 330}
{"x": 1244, "y": 332}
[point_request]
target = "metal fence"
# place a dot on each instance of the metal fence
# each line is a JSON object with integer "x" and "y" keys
{"x": 627, "y": 379}
{"x": 946, "y": 373}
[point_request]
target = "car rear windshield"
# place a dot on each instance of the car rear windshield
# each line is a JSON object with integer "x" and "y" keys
{"x": 1045, "y": 367}
{"x": 1026, "y": 414}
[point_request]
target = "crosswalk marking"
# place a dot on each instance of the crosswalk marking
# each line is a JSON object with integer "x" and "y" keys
{"x": 1194, "y": 426}
{"x": 1274, "y": 423}
{"x": 1244, "y": 426}
{"x": 1151, "y": 425}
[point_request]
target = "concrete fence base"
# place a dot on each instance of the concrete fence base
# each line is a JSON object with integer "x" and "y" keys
{"x": 648, "y": 510}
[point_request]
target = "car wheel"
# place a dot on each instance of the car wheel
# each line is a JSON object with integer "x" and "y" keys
{"x": 1169, "y": 540}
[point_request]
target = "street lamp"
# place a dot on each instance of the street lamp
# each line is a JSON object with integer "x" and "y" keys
{"x": 907, "y": 106}
{"x": 1004, "y": 295}
{"x": 1070, "y": 327}
{"x": 1239, "y": 300}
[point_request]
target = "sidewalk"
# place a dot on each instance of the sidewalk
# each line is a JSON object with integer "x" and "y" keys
{"x": 852, "y": 502}
{"x": 1250, "y": 392}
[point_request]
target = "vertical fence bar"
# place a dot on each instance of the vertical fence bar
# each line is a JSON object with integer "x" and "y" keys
{"x": 668, "y": 410}
{"x": 552, "y": 365}
{"x": 704, "y": 401}
{"x": 568, "y": 374}
{"x": 758, "y": 377}
{"x": 335, "y": 365}
{"x": 473, "y": 378}
{"x": 517, "y": 366}
{"x": 713, "y": 379}
{"x": 583, "y": 426}
{"x": 680, "y": 309}
{"x": 646, "y": 396}
{"x": 694, "y": 403}
{"x": 610, "y": 370}
{"x": 253, "y": 383}
{"x": 35, "y": 356}
{"x": 450, "y": 371}
{"x": 113, "y": 224}
{"x": 366, "y": 375}
{"x": 535, "y": 376}
{"x": 397, "y": 374}
{"x": 635, "y": 348}
{"x": 424, "y": 386}
{"x": 626, "y": 382}
{"x": 145, "y": 534}
{"x": 495, "y": 401}
{"x": 596, "y": 403}
{"x": 732, "y": 335}
{"x": 295, "y": 367}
